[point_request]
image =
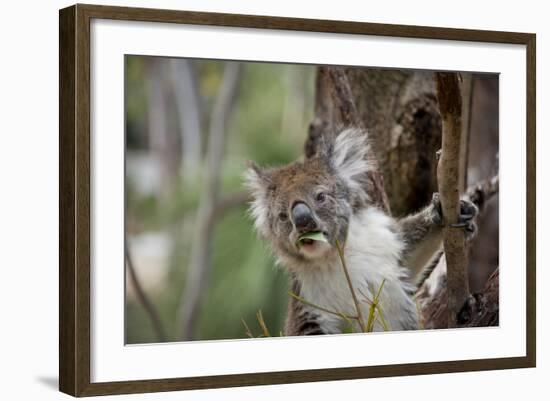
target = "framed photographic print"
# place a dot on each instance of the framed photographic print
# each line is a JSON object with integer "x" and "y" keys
{"x": 251, "y": 200}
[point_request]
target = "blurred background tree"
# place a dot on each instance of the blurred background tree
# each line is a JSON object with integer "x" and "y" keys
{"x": 191, "y": 125}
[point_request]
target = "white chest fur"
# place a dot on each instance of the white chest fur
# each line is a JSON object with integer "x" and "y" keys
{"x": 372, "y": 253}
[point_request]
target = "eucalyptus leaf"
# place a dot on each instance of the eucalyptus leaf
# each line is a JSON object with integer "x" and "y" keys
{"x": 314, "y": 236}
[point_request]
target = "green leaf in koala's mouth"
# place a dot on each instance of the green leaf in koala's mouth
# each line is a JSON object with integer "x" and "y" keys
{"x": 311, "y": 236}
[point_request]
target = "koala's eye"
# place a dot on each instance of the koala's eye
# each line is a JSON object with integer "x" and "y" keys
{"x": 321, "y": 197}
{"x": 283, "y": 216}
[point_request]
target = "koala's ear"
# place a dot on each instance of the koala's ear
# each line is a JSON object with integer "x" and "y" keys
{"x": 258, "y": 181}
{"x": 349, "y": 157}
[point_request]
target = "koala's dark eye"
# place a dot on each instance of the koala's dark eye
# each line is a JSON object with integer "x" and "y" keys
{"x": 321, "y": 197}
{"x": 283, "y": 216}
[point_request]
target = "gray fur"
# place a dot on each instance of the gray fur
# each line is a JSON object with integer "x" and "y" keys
{"x": 377, "y": 247}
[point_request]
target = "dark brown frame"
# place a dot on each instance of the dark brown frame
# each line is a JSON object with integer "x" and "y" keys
{"x": 74, "y": 199}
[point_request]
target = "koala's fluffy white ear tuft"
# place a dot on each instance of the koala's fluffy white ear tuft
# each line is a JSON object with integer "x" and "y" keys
{"x": 254, "y": 178}
{"x": 257, "y": 181}
{"x": 349, "y": 157}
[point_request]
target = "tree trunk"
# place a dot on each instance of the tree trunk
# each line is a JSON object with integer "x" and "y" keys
{"x": 400, "y": 113}
{"x": 399, "y": 110}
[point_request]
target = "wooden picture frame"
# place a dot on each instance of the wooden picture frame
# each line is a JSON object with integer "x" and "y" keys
{"x": 74, "y": 199}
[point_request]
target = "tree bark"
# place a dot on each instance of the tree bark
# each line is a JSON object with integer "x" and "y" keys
{"x": 482, "y": 311}
{"x": 483, "y": 306}
{"x": 399, "y": 110}
{"x": 449, "y": 178}
{"x": 400, "y": 113}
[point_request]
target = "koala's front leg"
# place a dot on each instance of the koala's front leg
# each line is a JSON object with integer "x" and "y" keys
{"x": 301, "y": 320}
{"x": 422, "y": 233}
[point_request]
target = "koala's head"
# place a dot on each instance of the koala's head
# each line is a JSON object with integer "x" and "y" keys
{"x": 316, "y": 195}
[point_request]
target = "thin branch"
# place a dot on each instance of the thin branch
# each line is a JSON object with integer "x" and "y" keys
{"x": 352, "y": 290}
{"x": 385, "y": 324}
{"x": 142, "y": 297}
{"x": 448, "y": 177}
{"x": 331, "y": 312}
{"x": 377, "y": 298}
{"x": 247, "y": 330}
{"x": 262, "y": 324}
{"x": 374, "y": 306}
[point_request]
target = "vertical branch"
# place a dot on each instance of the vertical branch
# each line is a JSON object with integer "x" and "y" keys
{"x": 466, "y": 95}
{"x": 199, "y": 266}
{"x": 358, "y": 309}
{"x": 448, "y": 176}
{"x": 142, "y": 296}
{"x": 189, "y": 114}
{"x": 161, "y": 140}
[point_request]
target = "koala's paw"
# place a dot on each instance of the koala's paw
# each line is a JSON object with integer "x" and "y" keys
{"x": 468, "y": 212}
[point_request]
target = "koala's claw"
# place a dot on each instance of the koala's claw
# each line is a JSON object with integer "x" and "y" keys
{"x": 466, "y": 216}
{"x": 468, "y": 212}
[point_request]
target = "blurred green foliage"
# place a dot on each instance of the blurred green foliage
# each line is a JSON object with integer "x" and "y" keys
{"x": 268, "y": 125}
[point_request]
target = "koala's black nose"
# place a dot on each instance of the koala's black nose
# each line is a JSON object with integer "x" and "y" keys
{"x": 302, "y": 216}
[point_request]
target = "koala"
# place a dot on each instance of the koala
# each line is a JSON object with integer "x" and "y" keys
{"x": 327, "y": 194}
